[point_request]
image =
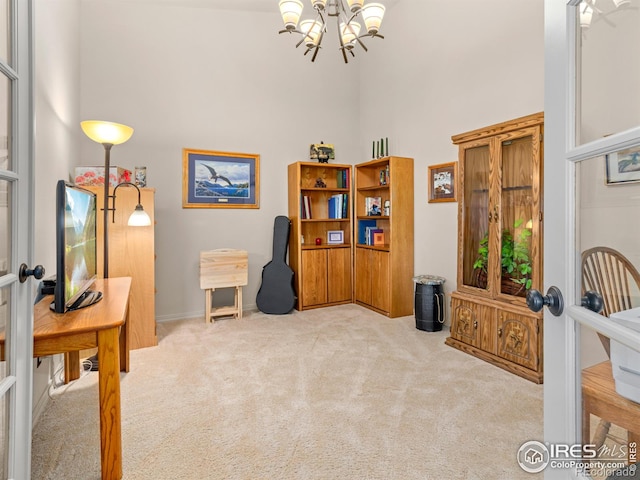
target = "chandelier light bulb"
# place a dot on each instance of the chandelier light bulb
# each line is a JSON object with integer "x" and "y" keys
{"x": 355, "y": 5}
{"x": 311, "y": 29}
{"x": 290, "y": 11}
{"x": 586, "y": 13}
{"x": 372, "y": 14}
{"x": 349, "y": 33}
{"x": 318, "y": 4}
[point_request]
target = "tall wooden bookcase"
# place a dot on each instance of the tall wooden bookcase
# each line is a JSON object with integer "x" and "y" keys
{"x": 500, "y": 245}
{"x": 384, "y": 272}
{"x": 320, "y": 208}
{"x": 132, "y": 254}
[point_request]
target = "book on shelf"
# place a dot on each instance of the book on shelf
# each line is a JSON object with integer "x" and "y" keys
{"x": 378, "y": 238}
{"x": 363, "y": 228}
{"x": 305, "y": 207}
{"x": 371, "y": 235}
{"x": 343, "y": 178}
{"x": 373, "y": 206}
{"x": 338, "y": 205}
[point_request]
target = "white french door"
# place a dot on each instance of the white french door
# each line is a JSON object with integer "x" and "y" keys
{"x": 16, "y": 240}
{"x": 592, "y": 199}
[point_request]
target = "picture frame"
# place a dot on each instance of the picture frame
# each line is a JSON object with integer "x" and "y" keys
{"x": 212, "y": 179}
{"x": 442, "y": 182}
{"x": 335, "y": 237}
{"x": 623, "y": 166}
{"x": 322, "y": 152}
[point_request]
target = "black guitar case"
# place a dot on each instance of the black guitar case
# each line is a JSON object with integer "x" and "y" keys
{"x": 276, "y": 294}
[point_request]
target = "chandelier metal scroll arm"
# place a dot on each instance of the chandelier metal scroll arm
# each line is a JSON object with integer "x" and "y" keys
{"x": 342, "y": 47}
{"x": 317, "y": 48}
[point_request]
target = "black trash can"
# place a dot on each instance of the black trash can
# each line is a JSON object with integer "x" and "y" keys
{"x": 429, "y": 303}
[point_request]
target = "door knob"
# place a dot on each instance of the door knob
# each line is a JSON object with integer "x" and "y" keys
{"x": 24, "y": 272}
{"x": 593, "y": 301}
{"x": 553, "y": 300}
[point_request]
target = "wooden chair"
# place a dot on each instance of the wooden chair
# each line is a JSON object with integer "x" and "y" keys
{"x": 223, "y": 268}
{"x": 609, "y": 273}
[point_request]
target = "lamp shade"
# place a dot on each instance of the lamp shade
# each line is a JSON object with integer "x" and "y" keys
{"x": 372, "y": 14}
{"x": 290, "y": 11}
{"x": 311, "y": 29}
{"x": 355, "y": 5}
{"x": 586, "y": 12}
{"x": 349, "y": 33}
{"x": 139, "y": 218}
{"x": 106, "y": 132}
{"x": 318, "y": 4}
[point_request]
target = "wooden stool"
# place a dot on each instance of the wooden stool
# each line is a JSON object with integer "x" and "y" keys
{"x": 599, "y": 397}
{"x": 223, "y": 268}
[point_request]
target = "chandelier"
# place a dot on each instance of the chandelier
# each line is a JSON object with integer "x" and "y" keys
{"x": 347, "y": 23}
{"x": 588, "y": 8}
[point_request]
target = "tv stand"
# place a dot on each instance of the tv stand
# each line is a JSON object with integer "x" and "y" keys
{"x": 87, "y": 299}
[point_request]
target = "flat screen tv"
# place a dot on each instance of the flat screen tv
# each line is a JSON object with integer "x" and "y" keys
{"x": 76, "y": 265}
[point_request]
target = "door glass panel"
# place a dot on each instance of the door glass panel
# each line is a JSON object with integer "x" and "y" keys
{"x": 609, "y": 68}
{"x": 475, "y": 216}
{"x": 5, "y": 15}
{"x": 5, "y": 117}
{"x": 4, "y": 429}
{"x": 517, "y": 216}
{"x": 608, "y": 231}
{"x": 5, "y": 226}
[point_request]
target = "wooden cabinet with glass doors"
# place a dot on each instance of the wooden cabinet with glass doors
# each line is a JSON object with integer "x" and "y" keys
{"x": 320, "y": 248}
{"x": 500, "y": 245}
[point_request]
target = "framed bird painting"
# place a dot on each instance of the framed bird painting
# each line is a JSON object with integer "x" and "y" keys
{"x": 220, "y": 179}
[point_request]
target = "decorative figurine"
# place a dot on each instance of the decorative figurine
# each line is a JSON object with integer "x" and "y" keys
{"x": 323, "y": 152}
{"x": 320, "y": 183}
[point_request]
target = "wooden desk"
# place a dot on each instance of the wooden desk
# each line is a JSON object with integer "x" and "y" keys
{"x": 99, "y": 325}
{"x": 599, "y": 397}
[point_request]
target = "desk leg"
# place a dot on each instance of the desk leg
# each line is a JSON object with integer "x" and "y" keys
{"x": 71, "y": 366}
{"x": 109, "y": 388}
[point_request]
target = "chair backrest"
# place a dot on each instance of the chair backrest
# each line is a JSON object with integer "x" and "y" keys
{"x": 609, "y": 273}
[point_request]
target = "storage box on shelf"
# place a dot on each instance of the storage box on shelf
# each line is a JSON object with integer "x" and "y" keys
{"x": 500, "y": 245}
{"x": 384, "y": 234}
{"x": 320, "y": 214}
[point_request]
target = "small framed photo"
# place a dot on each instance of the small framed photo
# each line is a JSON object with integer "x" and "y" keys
{"x": 220, "y": 179}
{"x": 442, "y": 180}
{"x": 335, "y": 237}
{"x": 323, "y": 152}
{"x": 623, "y": 166}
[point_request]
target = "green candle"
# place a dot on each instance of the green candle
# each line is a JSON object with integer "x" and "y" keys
{"x": 373, "y": 151}
{"x": 387, "y": 147}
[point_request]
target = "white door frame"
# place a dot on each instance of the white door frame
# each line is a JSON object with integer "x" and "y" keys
{"x": 17, "y": 386}
{"x": 562, "y": 413}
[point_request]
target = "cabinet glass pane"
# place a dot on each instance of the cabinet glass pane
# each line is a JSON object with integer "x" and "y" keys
{"x": 517, "y": 213}
{"x": 609, "y": 98}
{"x": 476, "y": 216}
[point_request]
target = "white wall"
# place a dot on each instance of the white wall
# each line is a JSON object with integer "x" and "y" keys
{"x": 57, "y": 82}
{"x": 215, "y": 80}
{"x": 446, "y": 67}
{"x": 187, "y": 75}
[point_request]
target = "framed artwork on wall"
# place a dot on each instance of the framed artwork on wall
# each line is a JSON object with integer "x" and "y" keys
{"x": 623, "y": 166}
{"x": 442, "y": 180}
{"x": 213, "y": 179}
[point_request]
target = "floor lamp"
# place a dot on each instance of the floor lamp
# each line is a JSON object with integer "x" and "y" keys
{"x": 108, "y": 134}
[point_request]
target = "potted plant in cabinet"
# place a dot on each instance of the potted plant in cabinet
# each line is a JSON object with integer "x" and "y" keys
{"x": 515, "y": 260}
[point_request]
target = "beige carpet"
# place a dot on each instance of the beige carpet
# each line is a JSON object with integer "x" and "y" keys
{"x": 334, "y": 393}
